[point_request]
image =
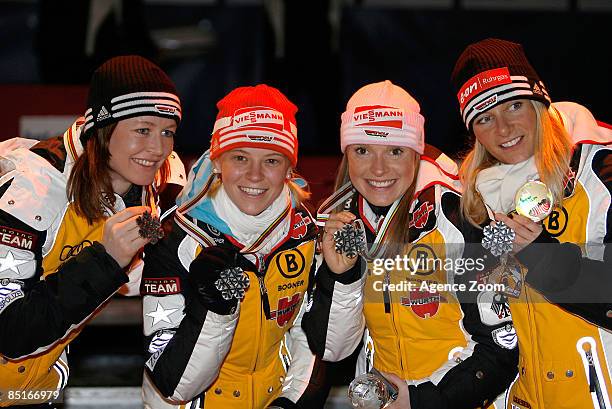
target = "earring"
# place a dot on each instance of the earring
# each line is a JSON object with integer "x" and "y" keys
{"x": 289, "y": 175}
{"x": 215, "y": 171}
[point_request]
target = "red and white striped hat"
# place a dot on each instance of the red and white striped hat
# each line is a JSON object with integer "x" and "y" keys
{"x": 382, "y": 114}
{"x": 255, "y": 117}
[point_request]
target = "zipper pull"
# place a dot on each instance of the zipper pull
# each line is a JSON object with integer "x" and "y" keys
{"x": 594, "y": 386}
{"x": 261, "y": 264}
{"x": 264, "y": 296}
{"x": 386, "y": 295}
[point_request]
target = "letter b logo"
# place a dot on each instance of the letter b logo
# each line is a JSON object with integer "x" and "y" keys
{"x": 290, "y": 263}
{"x": 556, "y": 222}
{"x": 292, "y": 266}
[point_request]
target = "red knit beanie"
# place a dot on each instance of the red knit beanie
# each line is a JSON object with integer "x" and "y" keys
{"x": 255, "y": 117}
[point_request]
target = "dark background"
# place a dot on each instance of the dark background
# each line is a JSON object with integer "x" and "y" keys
{"x": 320, "y": 53}
{"x": 317, "y": 52}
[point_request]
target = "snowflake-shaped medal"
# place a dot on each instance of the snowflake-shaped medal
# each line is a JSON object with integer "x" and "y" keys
{"x": 351, "y": 239}
{"x": 232, "y": 283}
{"x": 498, "y": 238}
{"x": 150, "y": 227}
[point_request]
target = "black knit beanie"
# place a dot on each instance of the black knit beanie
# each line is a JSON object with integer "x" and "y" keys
{"x": 126, "y": 87}
{"x": 493, "y": 71}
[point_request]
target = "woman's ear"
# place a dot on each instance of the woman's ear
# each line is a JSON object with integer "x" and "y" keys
{"x": 216, "y": 167}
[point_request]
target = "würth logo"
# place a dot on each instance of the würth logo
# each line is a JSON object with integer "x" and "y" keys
{"x": 286, "y": 309}
{"x": 421, "y": 215}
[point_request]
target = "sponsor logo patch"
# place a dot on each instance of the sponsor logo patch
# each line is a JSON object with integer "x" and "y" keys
{"x": 286, "y": 309}
{"x": 290, "y": 263}
{"x": 16, "y": 263}
{"x": 71, "y": 251}
{"x": 260, "y": 138}
{"x": 421, "y": 215}
{"x": 378, "y": 115}
{"x": 482, "y": 82}
{"x": 213, "y": 230}
{"x": 103, "y": 114}
{"x": 493, "y": 308}
{"x": 10, "y": 291}
{"x": 378, "y": 134}
{"x": 423, "y": 259}
{"x": 300, "y": 226}
{"x": 161, "y": 286}
{"x": 152, "y": 361}
{"x": 523, "y": 404}
{"x": 309, "y": 303}
{"x": 556, "y": 222}
{"x": 162, "y": 312}
{"x": 423, "y": 303}
{"x": 165, "y": 109}
{"x": 484, "y": 105}
{"x": 17, "y": 238}
{"x": 258, "y": 116}
{"x": 287, "y": 286}
{"x": 160, "y": 340}
{"x": 505, "y": 336}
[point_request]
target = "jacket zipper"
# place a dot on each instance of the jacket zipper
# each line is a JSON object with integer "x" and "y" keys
{"x": 389, "y": 310}
{"x": 593, "y": 379}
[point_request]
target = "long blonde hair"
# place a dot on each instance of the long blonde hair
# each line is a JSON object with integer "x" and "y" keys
{"x": 399, "y": 233}
{"x": 553, "y": 149}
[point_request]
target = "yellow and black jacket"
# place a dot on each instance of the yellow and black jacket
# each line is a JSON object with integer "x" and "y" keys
{"x": 248, "y": 358}
{"x": 455, "y": 350}
{"x": 54, "y": 273}
{"x": 563, "y": 315}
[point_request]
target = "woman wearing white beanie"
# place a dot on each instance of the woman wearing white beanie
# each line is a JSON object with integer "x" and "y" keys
{"x": 439, "y": 353}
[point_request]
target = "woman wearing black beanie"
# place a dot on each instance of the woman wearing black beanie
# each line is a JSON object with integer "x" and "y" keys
{"x": 71, "y": 212}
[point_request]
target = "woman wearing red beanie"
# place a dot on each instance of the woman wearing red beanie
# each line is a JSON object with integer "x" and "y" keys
{"x": 224, "y": 291}
{"x": 562, "y": 303}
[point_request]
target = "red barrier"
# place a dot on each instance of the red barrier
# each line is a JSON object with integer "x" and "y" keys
{"x": 39, "y": 100}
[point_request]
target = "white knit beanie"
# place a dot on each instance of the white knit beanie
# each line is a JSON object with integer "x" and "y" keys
{"x": 382, "y": 114}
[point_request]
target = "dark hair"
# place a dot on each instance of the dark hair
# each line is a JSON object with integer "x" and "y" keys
{"x": 89, "y": 186}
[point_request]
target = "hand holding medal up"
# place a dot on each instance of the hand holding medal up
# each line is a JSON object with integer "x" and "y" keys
{"x": 533, "y": 202}
{"x": 149, "y": 227}
{"x": 343, "y": 239}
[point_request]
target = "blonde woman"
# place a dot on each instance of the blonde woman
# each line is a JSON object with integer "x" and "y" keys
{"x": 440, "y": 353}
{"x": 521, "y": 136}
{"x": 241, "y": 209}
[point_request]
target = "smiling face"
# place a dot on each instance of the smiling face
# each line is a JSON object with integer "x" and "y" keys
{"x": 253, "y": 177}
{"x": 381, "y": 174}
{"x": 508, "y": 131}
{"x": 138, "y": 148}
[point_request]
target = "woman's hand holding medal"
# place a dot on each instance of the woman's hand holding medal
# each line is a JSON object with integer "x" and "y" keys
{"x": 525, "y": 229}
{"x": 337, "y": 262}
